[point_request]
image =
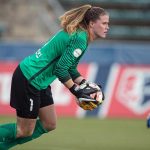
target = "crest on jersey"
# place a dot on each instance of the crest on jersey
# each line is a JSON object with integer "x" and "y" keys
{"x": 77, "y": 52}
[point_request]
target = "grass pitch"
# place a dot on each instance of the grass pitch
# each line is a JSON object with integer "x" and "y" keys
{"x": 92, "y": 134}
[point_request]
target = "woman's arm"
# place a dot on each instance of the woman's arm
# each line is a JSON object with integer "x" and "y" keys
{"x": 68, "y": 59}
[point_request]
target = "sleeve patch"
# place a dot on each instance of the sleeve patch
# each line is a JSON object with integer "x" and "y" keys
{"x": 77, "y": 52}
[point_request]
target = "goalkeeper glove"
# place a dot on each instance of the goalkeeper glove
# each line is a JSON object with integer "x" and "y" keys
{"x": 82, "y": 93}
{"x": 83, "y": 81}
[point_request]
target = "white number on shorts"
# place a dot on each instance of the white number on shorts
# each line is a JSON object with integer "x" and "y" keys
{"x": 31, "y": 104}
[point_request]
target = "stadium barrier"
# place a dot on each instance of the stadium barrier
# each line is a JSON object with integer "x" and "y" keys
{"x": 123, "y": 70}
{"x": 127, "y": 90}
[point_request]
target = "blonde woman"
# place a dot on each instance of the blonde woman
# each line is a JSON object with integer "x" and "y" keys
{"x": 58, "y": 58}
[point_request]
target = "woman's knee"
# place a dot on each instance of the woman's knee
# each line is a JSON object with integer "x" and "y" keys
{"x": 24, "y": 132}
{"x": 25, "y": 127}
{"x": 49, "y": 126}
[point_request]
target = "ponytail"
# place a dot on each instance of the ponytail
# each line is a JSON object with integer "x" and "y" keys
{"x": 71, "y": 20}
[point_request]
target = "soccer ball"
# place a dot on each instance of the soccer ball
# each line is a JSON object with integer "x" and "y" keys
{"x": 98, "y": 96}
{"x": 95, "y": 99}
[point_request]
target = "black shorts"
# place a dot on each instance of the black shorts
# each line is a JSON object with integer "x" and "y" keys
{"x": 25, "y": 98}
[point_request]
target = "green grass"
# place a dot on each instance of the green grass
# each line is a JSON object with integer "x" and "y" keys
{"x": 92, "y": 134}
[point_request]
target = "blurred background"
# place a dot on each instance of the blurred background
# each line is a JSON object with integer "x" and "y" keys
{"x": 120, "y": 63}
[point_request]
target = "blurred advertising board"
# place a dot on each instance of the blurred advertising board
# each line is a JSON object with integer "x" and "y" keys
{"x": 126, "y": 88}
{"x": 64, "y": 101}
{"x": 128, "y": 91}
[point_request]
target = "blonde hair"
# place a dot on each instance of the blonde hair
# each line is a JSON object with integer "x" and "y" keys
{"x": 70, "y": 20}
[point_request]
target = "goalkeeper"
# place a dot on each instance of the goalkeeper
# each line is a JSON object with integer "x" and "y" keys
{"x": 30, "y": 91}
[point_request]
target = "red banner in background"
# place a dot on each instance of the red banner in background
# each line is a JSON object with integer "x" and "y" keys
{"x": 129, "y": 92}
{"x": 65, "y": 102}
{"x": 6, "y": 70}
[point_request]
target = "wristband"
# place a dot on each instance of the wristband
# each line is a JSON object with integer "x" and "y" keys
{"x": 74, "y": 89}
{"x": 82, "y": 82}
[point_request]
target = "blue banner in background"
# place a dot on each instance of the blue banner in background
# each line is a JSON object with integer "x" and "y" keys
{"x": 100, "y": 78}
{"x": 99, "y": 52}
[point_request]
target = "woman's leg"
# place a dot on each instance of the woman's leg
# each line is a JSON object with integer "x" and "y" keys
{"x": 25, "y": 127}
{"x": 25, "y": 131}
{"x": 11, "y": 133}
{"x": 45, "y": 123}
{"x": 48, "y": 117}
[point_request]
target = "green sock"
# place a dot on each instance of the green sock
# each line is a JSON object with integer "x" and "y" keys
{"x": 39, "y": 130}
{"x": 7, "y": 132}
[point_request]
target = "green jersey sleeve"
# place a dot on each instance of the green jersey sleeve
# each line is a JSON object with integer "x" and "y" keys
{"x": 74, "y": 73}
{"x": 66, "y": 66}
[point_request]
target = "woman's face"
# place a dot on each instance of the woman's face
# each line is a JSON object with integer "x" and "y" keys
{"x": 99, "y": 28}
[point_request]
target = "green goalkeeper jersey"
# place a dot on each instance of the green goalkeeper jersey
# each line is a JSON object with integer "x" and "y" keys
{"x": 58, "y": 58}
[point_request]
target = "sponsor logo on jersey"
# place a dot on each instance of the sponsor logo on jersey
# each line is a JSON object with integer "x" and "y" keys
{"x": 77, "y": 52}
{"x": 38, "y": 54}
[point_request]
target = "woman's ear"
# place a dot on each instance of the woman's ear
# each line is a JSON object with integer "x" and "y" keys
{"x": 91, "y": 23}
